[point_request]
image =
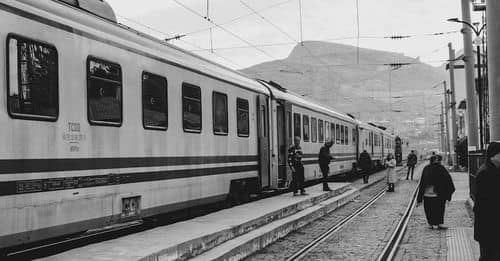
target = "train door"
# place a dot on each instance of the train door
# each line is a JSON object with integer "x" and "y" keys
{"x": 284, "y": 138}
{"x": 263, "y": 137}
{"x": 372, "y": 144}
{"x": 357, "y": 134}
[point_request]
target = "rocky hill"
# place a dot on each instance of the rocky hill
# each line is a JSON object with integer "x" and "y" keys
{"x": 330, "y": 74}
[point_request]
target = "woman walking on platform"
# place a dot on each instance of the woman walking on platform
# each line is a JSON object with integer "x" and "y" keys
{"x": 435, "y": 188}
{"x": 392, "y": 177}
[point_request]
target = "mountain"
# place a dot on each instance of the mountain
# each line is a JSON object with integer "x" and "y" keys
{"x": 330, "y": 74}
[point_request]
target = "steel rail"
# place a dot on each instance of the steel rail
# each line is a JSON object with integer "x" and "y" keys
{"x": 305, "y": 250}
{"x": 392, "y": 245}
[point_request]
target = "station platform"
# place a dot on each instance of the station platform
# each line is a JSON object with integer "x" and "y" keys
{"x": 453, "y": 244}
{"x": 460, "y": 235}
{"x": 230, "y": 233}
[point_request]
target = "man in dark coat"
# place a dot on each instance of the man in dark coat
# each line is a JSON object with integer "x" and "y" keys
{"x": 487, "y": 205}
{"x": 365, "y": 163}
{"x": 324, "y": 159}
{"x": 295, "y": 163}
{"x": 411, "y": 161}
{"x": 435, "y": 188}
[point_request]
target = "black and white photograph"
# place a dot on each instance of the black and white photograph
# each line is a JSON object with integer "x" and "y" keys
{"x": 253, "y": 130}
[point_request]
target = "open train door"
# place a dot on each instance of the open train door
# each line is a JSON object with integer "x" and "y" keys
{"x": 284, "y": 139}
{"x": 263, "y": 136}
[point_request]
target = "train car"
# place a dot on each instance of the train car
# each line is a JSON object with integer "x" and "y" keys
{"x": 103, "y": 124}
{"x": 370, "y": 137}
{"x": 315, "y": 124}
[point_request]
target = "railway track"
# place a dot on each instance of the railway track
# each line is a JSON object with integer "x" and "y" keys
{"x": 391, "y": 246}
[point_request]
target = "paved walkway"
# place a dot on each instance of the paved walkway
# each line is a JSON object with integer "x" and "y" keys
{"x": 454, "y": 244}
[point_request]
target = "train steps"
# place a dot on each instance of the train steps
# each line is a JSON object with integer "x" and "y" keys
{"x": 229, "y": 234}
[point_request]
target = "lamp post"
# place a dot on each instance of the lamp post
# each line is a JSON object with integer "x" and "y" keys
{"x": 479, "y": 88}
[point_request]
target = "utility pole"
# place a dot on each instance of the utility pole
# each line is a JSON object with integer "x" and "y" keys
{"x": 493, "y": 9}
{"x": 441, "y": 126}
{"x": 472, "y": 113}
{"x": 453, "y": 102}
{"x": 447, "y": 136}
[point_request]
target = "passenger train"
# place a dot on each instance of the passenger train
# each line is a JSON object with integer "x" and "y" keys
{"x": 103, "y": 124}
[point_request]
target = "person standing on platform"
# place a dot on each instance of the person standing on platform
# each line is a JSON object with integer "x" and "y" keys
{"x": 365, "y": 163}
{"x": 324, "y": 159}
{"x": 411, "y": 161}
{"x": 295, "y": 163}
{"x": 487, "y": 205}
{"x": 435, "y": 188}
{"x": 392, "y": 177}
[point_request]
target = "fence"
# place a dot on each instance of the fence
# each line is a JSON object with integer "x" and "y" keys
{"x": 476, "y": 159}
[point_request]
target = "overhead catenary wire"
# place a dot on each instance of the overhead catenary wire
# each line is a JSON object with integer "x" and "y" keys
{"x": 224, "y": 29}
{"x": 238, "y": 18}
{"x": 170, "y": 35}
{"x": 324, "y": 39}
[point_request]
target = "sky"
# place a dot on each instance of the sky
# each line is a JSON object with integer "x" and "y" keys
{"x": 248, "y": 32}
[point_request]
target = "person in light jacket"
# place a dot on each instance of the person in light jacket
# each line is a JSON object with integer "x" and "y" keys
{"x": 392, "y": 177}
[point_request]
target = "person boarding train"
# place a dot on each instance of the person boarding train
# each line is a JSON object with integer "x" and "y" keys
{"x": 324, "y": 159}
{"x": 295, "y": 163}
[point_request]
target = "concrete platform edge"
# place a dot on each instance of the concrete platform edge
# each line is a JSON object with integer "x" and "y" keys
{"x": 269, "y": 235}
{"x": 197, "y": 246}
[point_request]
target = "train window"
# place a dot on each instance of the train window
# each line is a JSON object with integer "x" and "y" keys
{"x": 332, "y": 132}
{"x": 296, "y": 125}
{"x": 219, "y": 113}
{"x": 314, "y": 130}
{"x": 154, "y": 101}
{"x": 242, "y": 113}
{"x": 342, "y": 134}
{"x": 33, "y": 92}
{"x": 305, "y": 127}
{"x": 327, "y": 131}
{"x": 104, "y": 92}
{"x": 354, "y": 136}
{"x": 191, "y": 108}
{"x": 337, "y": 133}
{"x": 321, "y": 130}
{"x": 346, "y": 135}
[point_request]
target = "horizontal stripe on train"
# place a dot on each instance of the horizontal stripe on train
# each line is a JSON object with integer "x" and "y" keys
{"x": 47, "y": 165}
{"x": 315, "y": 155}
{"x": 309, "y": 162}
{"x": 55, "y": 184}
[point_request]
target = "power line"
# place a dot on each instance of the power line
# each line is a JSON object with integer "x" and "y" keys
{"x": 238, "y": 18}
{"x": 294, "y": 42}
{"x": 281, "y": 31}
{"x": 357, "y": 23}
{"x": 182, "y": 40}
{"x": 224, "y": 29}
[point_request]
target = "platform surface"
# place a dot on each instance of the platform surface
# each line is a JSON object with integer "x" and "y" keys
{"x": 168, "y": 238}
{"x": 460, "y": 240}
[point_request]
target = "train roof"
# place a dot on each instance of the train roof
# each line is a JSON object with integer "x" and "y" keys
{"x": 285, "y": 94}
{"x": 98, "y": 26}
